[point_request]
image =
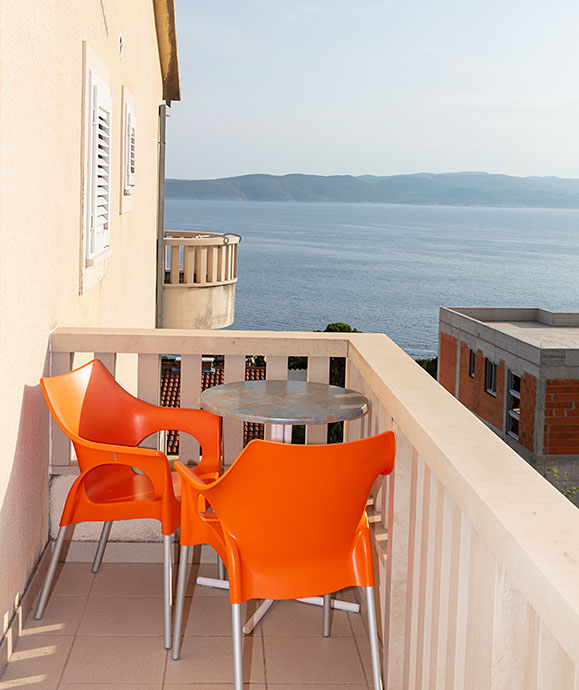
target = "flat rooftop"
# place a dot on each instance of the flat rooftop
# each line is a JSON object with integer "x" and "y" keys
{"x": 539, "y": 334}
{"x": 537, "y": 327}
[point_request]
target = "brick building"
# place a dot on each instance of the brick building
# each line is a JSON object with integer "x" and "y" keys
{"x": 518, "y": 371}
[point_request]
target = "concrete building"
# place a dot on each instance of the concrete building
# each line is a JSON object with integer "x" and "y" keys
{"x": 518, "y": 371}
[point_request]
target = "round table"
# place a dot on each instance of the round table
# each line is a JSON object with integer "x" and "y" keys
{"x": 284, "y": 403}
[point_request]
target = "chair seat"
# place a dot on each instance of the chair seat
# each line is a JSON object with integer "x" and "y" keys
{"x": 104, "y": 486}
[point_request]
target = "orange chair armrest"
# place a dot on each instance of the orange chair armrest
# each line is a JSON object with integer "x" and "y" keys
{"x": 191, "y": 479}
{"x": 153, "y": 463}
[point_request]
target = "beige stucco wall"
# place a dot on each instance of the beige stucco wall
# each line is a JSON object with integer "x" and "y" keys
{"x": 197, "y": 307}
{"x": 42, "y": 79}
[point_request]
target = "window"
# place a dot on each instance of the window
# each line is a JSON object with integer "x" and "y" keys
{"x": 130, "y": 150}
{"x": 99, "y": 168}
{"x": 490, "y": 377}
{"x": 472, "y": 359}
{"x": 513, "y": 405}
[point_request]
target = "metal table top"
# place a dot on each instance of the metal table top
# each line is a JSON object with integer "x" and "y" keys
{"x": 284, "y": 402}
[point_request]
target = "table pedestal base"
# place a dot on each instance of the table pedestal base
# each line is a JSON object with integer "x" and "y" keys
{"x": 264, "y": 607}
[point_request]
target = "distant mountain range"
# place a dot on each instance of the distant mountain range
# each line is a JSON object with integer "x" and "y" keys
{"x": 448, "y": 189}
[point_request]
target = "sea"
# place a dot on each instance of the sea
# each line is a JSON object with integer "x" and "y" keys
{"x": 388, "y": 268}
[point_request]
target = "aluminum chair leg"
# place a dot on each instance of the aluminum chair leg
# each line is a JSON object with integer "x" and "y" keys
{"x": 180, "y": 602}
{"x": 373, "y": 635}
{"x": 101, "y": 546}
{"x": 237, "y": 651}
{"x": 50, "y": 574}
{"x": 167, "y": 585}
{"x": 327, "y": 609}
{"x": 221, "y": 569}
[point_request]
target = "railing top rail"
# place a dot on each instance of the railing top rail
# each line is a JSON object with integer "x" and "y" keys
{"x": 184, "y": 237}
{"x": 166, "y": 340}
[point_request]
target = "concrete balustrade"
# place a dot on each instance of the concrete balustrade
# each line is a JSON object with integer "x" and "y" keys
{"x": 200, "y": 258}
{"x": 200, "y": 276}
{"x": 477, "y": 555}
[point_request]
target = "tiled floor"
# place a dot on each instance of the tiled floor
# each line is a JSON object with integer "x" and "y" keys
{"x": 104, "y": 632}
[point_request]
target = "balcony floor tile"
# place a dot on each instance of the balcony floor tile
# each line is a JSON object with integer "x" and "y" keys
{"x": 119, "y": 615}
{"x": 37, "y": 661}
{"x": 110, "y": 686}
{"x": 62, "y": 616}
{"x": 114, "y": 659}
{"x": 73, "y": 579}
{"x": 313, "y": 660}
{"x": 210, "y": 660}
{"x": 124, "y": 579}
{"x": 104, "y": 632}
{"x": 295, "y": 619}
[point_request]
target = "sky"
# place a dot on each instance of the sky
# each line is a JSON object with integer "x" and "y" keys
{"x": 379, "y": 87}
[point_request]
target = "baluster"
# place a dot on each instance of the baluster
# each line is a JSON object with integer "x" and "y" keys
{"x": 233, "y": 428}
{"x": 189, "y": 264}
{"x": 352, "y": 427}
{"x": 60, "y": 445}
{"x": 226, "y": 268}
{"x": 318, "y": 372}
{"x": 434, "y": 594}
{"x": 555, "y": 669}
{"x": 235, "y": 246}
{"x": 276, "y": 370}
{"x": 174, "y": 273}
{"x": 481, "y": 611}
{"x": 516, "y": 629}
{"x": 148, "y": 379}
{"x": 201, "y": 265}
{"x": 420, "y": 573}
{"x": 221, "y": 262}
{"x": 190, "y": 392}
{"x": 402, "y": 506}
{"x": 109, "y": 359}
{"x": 212, "y": 264}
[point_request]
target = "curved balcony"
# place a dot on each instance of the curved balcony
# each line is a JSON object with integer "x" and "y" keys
{"x": 199, "y": 280}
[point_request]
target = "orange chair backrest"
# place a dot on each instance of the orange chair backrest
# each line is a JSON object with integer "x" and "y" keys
{"x": 89, "y": 403}
{"x": 296, "y": 515}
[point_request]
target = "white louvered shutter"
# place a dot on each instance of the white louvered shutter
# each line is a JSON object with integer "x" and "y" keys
{"x": 99, "y": 178}
{"x": 130, "y": 149}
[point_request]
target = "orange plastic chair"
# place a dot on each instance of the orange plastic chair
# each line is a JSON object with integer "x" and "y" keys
{"x": 119, "y": 481}
{"x": 309, "y": 535}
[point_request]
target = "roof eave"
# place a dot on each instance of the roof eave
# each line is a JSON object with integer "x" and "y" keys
{"x": 167, "y": 41}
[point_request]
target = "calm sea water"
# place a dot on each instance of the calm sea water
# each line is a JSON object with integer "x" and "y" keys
{"x": 388, "y": 268}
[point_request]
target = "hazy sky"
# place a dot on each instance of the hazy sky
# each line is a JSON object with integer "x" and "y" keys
{"x": 376, "y": 87}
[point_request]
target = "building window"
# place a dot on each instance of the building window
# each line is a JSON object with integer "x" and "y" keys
{"x": 472, "y": 359}
{"x": 513, "y": 405}
{"x": 490, "y": 377}
{"x": 130, "y": 150}
{"x": 99, "y": 168}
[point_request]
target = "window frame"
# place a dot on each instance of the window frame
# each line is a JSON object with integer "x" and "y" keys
{"x": 513, "y": 416}
{"x": 472, "y": 364}
{"x": 490, "y": 377}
